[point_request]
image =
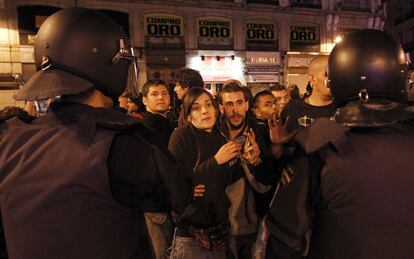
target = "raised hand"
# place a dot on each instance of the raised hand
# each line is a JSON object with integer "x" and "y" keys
{"x": 278, "y": 131}
{"x": 251, "y": 151}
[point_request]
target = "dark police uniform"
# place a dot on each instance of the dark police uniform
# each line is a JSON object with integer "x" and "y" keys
{"x": 60, "y": 175}
{"x": 354, "y": 192}
{"x": 73, "y": 182}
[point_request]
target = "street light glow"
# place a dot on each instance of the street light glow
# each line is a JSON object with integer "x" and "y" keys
{"x": 338, "y": 39}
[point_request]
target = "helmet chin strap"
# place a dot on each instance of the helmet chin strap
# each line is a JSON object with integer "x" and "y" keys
{"x": 128, "y": 54}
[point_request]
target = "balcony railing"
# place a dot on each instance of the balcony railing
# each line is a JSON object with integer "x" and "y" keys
{"x": 308, "y": 4}
{"x": 355, "y": 8}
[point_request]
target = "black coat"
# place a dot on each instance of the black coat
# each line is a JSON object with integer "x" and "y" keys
{"x": 353, "y": 190}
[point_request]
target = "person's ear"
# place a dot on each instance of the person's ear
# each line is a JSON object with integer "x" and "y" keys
{"x": 256, "y": 112}
{"x": 221, "y": 109}
{"x": 311, "y": 78}
{"x": 246, "y": 104}
{"x": 145, "y": 101}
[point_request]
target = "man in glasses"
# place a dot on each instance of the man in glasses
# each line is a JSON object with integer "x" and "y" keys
{"x": 73, "y": 180}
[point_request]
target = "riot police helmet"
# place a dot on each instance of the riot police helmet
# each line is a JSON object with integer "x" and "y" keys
{"x": 367, "y": 77}
{"x": 76, "y": 49}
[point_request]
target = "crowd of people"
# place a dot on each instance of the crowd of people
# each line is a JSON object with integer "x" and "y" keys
{"x": 106, "y": 173}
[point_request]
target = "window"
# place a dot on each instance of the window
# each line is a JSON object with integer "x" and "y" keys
{"x": 308, "y": 3}
{"x": 119, "y": 17}
{"x": 357, "y": 5}
{"x": 29, "y": 20}
{"x": 268, "y": 2}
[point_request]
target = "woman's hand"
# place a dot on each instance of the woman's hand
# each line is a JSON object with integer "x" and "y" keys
{"x": 227, "y": 152}
{"x": 199, "y": 191}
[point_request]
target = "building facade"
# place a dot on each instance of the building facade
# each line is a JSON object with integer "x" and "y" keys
{"x": 258, "y": 42}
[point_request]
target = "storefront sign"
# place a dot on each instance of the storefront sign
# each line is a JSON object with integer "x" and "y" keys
{"x": 214, "y": 28}
{"x": 262, "y": 79}
{"x": 163, "y": 25}
{"x": 262, "y": 66}
{"x": 169, "y": 28}
{"x": 262, "y": 70}
{"x": 304, "y": 37}
{"x": 263, "y": 58}
{"x": 261, "y": 36}
{"x": 259, "y": 31}
{"x": 215, "y": 33}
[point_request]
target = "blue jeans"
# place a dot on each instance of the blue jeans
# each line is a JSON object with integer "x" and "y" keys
{"x": 190, "y": 248}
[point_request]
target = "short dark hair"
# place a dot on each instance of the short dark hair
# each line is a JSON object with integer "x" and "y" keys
{"x": 188, "y": 78}
{"x": 151, "y": 83}
{"x": 277, "y": 87}
{"x": 256, "y": 98}
{"x": 232, "y": 87}
{"x": 191, "y": 96}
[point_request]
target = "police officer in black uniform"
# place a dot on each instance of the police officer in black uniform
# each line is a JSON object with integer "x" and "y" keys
{"x": 73, "y": 181}
{"x": 353, "y": 193}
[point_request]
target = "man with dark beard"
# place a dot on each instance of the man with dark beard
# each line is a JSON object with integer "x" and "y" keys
{"x": 253, "y": 171}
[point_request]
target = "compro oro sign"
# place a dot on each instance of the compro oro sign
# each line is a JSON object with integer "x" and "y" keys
{"x": 304, "y": 37}
{"x": 261, "y": 36}
{"x": 164, "y": 31}
{"x": 163, "y": 25}
{"x": 214, "y": 33}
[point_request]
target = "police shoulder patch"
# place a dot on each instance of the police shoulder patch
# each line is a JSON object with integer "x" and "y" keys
{"x": 287, "y": 176}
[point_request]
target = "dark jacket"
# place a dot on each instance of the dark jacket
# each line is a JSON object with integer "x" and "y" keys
{"x": 354, "y": 191}
{"x": 243, "y": 214}
{"x": 59, "y": 181}
{"x": 195, "y": 149}
{"x": 160, "y": 125}
{"x": 270, "y": 168}
{"x": 162, "y": 129}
